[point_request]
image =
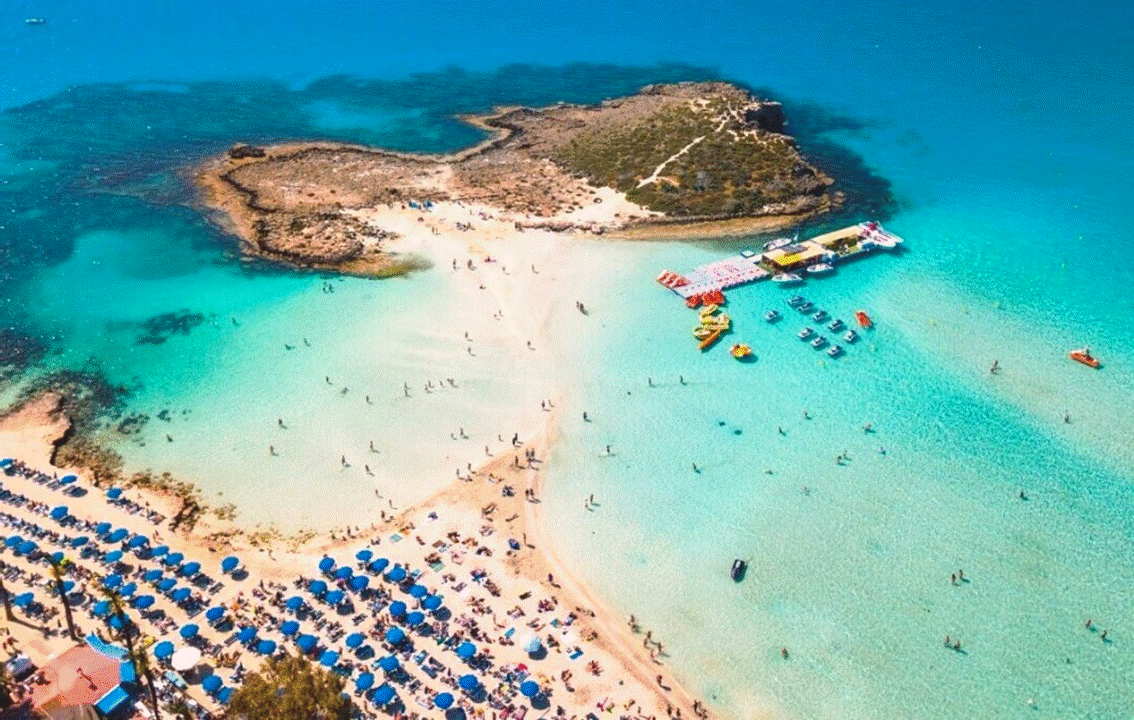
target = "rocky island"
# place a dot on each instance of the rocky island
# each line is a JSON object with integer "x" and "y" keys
{"x": 679, "y": 160}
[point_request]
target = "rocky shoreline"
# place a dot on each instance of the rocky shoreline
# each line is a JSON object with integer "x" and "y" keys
{"x": 688, "y": 159}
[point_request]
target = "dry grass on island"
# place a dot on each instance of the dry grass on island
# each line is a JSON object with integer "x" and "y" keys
{"x": 685, "y": 160}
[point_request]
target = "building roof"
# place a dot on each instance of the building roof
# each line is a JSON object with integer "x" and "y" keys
{"x": 80, "y": 676}
{"x": 794, "y": 254}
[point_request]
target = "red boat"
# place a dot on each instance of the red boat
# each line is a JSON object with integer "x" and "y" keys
{"x": 1084, "y": 356}
{"x": 863, "y": 319}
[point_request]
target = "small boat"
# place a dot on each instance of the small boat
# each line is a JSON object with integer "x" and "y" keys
{"x": 818, "y": 342}
{"x": 693, "y": 301}
{"x": 820, "y": 316}
{"x": 711, "y": 340}
{"x": 805, "y": 307}
{"x": 1084, "y": 356}
{"x": 820, "y": 269}
{"x": 35, "y": 21}
{"x": 805, "y": 333}
{"x": 835, "y": 351}
{"x": 778, "y": 243}
{"x": 863, "y": 319}
{"x": 835, "y": 325}
{"x": 787, "y": 279}
{"x": 850, "y": 336}
{"x": 738, "y": 569}
{"x": 714, "y": 297}
{"x": 772, "y": 316}
{"x": 797, "y": 301}
{"x": 740, "y": 351}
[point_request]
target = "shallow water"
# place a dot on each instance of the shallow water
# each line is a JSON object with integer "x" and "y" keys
{"x": 1003, "y": 130}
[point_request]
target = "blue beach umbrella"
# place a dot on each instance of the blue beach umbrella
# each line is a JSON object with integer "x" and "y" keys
{"x": 359, "y": 582}
{"x": 229, "y": 564}
{"x": 23, "y": 599}
{"x": 214, "y": 614}
{"x": 468, "y": 682}
{"x": 173, "y": 559}
{"x": 317, "y": 587}
{"x": 112, "y": 581}
{"x": 191, "y": 568}
{"x": 102, "y": 528}
{"x": 432, "y": 602}
{"x": 396, "y": 574}
{"x": 364, "y": 681}
{"x": 377, "y": 566}
{"x": 113, "y": 556}
{"x": 143, "y": 601}
{"x": 68, "y": 479}
{"x": 57, "y": 556}
{"x": 397, "y": 608}
{"x": 114, "y": 493}
{"x": 335, "y": 597}
{"x": 26, "y": 547}
{"x": 58, "y": 513}
{"x": 152, "y": 575}
{"x": 80, "y": 541}
{"x": 529, "y": 688}
{"x": 364, "y": 555}
{"x": 289, "y": 628}
{"x": 163, "y": 649}
{"x": 383, "y": 695}
{"x": 13, "y": 540}
{"x": 116, "y": 621}
{"x": 326, "y": 564}
{"x": 443, "y": 700}
{"x": 344, "y": 572}
{"x": 101, "y": 608}
{"x": 266, "y": 647}
{"x": 118, "y": 535}
{"x": 294, "y": 602}
{"x": 225, "y": 695}
{"x": 137, "y": 541}
{"x": 181, "y": 594}
{"x": 307, "y": 643}
{"x": 415, "y": 618}
{"x": 389, "y": 663}
{"x": 418, "y": 591}
{"x": 395, "y": 635}
{"x": 329, "y": 658}
{"x": 6, "y": 462}
{"x": 246, "y": 634}
{"x": 159, "y": 551}
{"x": 354, "y": 640}
{"x": 211, "y": 684}
{"x": 128, "y": 589}
{"x": 68, "y": 585}
{"x": 188, "y": 631}
{"x": 167, "y": 584}
{"x": 466, "y": 650}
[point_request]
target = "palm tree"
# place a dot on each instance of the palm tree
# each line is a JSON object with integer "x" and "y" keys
{"x": 138, "y": 658}
{"x": 6, "y": 683}
{"x": 57, "y": 574}
{"x": 4, "y": 593}
{"x": 290, "y": 687}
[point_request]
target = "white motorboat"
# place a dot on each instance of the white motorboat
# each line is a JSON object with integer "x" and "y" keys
{"x": 818, "y": 342}
{"x": 787, "y": 279}
{"x": 835, "y": 325}
{"x": 820, "y": 269}
{"x": 805, "y": 333}
{"x": 820, "y": 316}
{"x": 850, "y": 336}
{"x": 771, "y": 316}
{"x": 835, "y": 351}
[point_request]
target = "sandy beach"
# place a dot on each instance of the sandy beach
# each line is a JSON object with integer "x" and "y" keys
{"x": 478, "y": 543}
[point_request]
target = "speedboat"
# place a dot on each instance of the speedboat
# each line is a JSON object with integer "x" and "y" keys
{"x": 835, "y": 351}
{"x": 818, "y": 342}
{"x": 820, "y": 316}
{"x": 797, "y": 301}
{"x": 820, "y": 269}
{"x": 1084, "y": 356}
{"x": 34, "y": 21}
{"x": 805, "y": 307}
{"x": 777, "y": 244}
{"x": 738, "y": 569}
{"x": 835, "y": 325}
{"x": 850, "y": 336}
{"x": 863, "y": 319}
{"x": 805, "y": 333}
{"x": 740, "y": 351}
{"x": 772, "y": 316}
{"x": 787, "y": 279}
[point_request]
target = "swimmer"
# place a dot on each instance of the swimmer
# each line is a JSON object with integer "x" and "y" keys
{"x": 995, "y": 368}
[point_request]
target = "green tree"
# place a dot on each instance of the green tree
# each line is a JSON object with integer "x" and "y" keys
{"x": 6, "y": 684}
{"x": 57, "y": 575}
{"x": 138, "y": 657}
{"x": 290, "y": 687}
{"x": 4, "y": 594}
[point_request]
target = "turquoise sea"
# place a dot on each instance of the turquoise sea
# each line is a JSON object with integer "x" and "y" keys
{"x": 994, "y": 137}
